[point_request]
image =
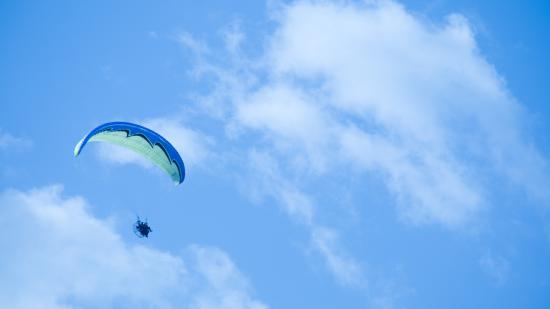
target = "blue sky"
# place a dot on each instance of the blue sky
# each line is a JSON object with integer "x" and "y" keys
{"x": 339, "y": 154}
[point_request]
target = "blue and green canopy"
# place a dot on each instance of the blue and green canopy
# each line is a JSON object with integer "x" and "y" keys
{"x": 142, "y": 140}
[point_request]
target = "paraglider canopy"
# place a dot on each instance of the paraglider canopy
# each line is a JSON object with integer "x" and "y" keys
{"x": 142, "y": 140}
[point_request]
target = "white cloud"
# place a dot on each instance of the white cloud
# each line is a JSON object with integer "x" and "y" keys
{"x": 7, "y": 140}
{"x": 373, "y": 88}
{"x": 291, "y": 119}
{"x": 430, "y": 187}
{"x": 56, "y": 255}
{"x": 281, "y": 110}
{"x": 432, "y": 105}
{"x": 420, "y": 86}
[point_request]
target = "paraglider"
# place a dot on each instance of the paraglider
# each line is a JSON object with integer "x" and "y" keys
{"x": 143, "y": 141}
{"x": 142, "y": 229}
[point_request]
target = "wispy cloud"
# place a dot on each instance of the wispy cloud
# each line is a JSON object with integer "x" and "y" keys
{"x": 346, "y": 269}
{"x": 7, "y": 141}
{"x": 266, "y": 181}
{"x": 189, "y": 42}
{"x": 221, "y": 285}
{"x": 59, "y": 256}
